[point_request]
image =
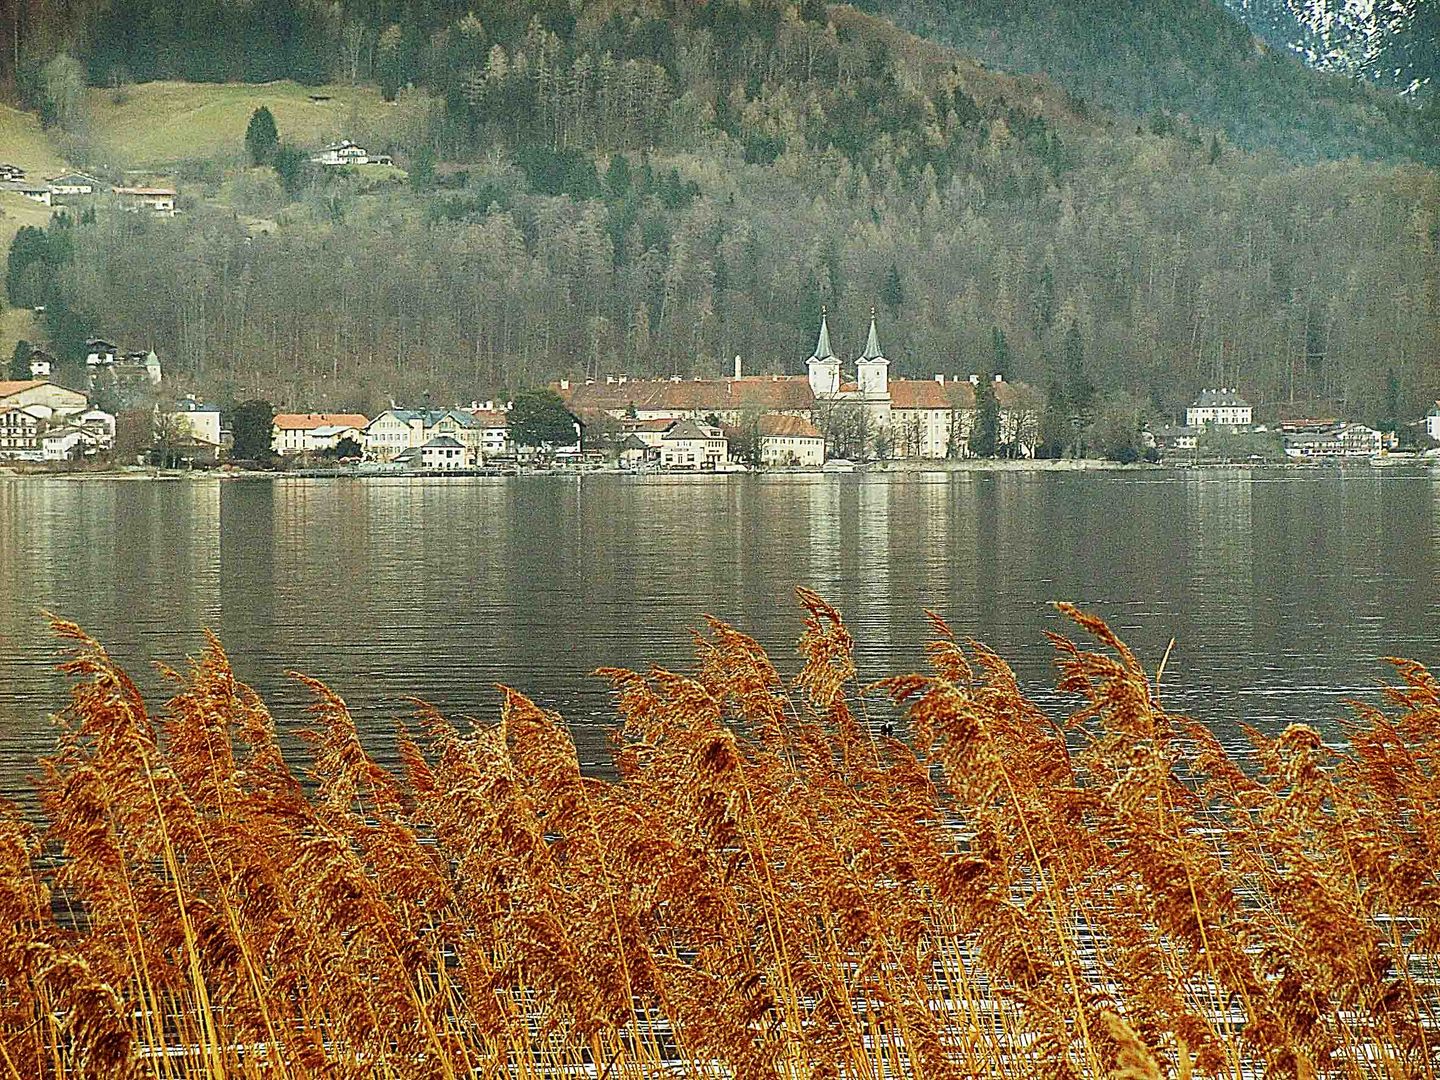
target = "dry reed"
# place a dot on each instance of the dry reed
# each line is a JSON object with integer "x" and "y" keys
{"x": 773, "y": 886}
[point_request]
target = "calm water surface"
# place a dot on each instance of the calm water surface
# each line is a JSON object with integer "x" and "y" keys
{"x": 1282, "y": 589}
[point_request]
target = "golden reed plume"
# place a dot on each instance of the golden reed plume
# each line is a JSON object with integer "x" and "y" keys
{"x": 928, "y": 876}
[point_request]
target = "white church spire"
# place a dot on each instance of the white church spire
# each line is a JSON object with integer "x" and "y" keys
{"x": 872, "y": 369}
{"x": 824, "y": 365}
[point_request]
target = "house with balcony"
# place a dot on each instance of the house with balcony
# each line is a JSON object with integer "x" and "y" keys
{"x": 689, "y": 444}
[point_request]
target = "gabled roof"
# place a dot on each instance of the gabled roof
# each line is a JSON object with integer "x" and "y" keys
{"x": 775, "y": 425}
{"x": 74, "y": 178}
{"x": 309, "y": 421}
{"x": 9, "y": 388}
{"x": 691, "y": 429}
{"x": 633, "y": 442}
{"x": 443, "y": 442}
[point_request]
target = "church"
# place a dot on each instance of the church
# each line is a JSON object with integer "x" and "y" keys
{"x": 871, "y": 387}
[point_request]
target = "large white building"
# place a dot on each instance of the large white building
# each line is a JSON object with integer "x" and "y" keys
{"x": 1223, "y": 407}
{"x": 308, "y": 433}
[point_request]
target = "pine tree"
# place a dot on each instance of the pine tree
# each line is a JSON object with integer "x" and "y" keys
{"x": 892, "y": 295}
{"x": 985, "y": 434}
{"x": 20, "y": 360}
{"x": 262, "y": 138}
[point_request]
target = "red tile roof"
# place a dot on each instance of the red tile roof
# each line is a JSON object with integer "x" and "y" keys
{"x": 16, "y": 386}
{"x": 922, "y": 394}
{"x": 305, "y": 421}
{"x": 490, "y": 418}
{"x": 695, "y": 395}
{"x": 792, "y": 427}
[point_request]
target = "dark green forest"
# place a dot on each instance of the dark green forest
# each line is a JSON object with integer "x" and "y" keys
{"x": 657, "y": 188}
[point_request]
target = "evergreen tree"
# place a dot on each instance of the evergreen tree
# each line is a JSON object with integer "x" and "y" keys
{"x": 1001, "y": 349}
{"x": 892, "y": 293}
{"x": 1056, "y": 432}
{"x": 262, "y": 138}
{"x": 20, "y": 360}
{"x": 1079, "y": 390}
{"x": 253, "y": 425}
{"x": 27, "y": 271}
{"x": 985, "y": 434}
{"x": 292, "y": 167}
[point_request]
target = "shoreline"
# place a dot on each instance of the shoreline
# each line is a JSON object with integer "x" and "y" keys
{"x": 906, "y": 467}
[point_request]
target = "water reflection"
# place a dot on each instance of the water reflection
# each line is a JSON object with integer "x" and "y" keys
{"x": 1281, "y": 590}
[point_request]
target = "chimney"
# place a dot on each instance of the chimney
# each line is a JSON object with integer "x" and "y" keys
{"x": 940, "y": 378}
{"x": 974, "y": 380}
{"x": 737, "y": 365}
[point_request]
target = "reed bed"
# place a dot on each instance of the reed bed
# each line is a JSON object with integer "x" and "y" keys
{"x": 774, "y": 885}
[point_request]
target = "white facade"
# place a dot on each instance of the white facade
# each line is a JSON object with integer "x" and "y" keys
{"x": 307, "y": 433}
{"x": 1223, "y": 407}
{"x": 74, "y": 184}
{"x": 692, "y": 445}
{"x": 340, "y": 153}
{"x": 159, "y": 201}
{"x": 1432, "y": 423}
{"x": 446, "y": 454}
{"x": 197, "y": 420}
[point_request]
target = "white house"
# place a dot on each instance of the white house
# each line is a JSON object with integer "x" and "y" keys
{"x": 689, "y": 444}
{"x": 68, "y": 441}
{"x": 20, "y": 431}
{"x": 1432, "y": 423}
{"x": 1223, "y": 407}
{"x": 446, "y": 453}
{"x": 340, "y": 153}
{"x": 493, "y": 427}
{"x": 196, "y": 419}
{"x": 75, "y": 183}
{"x": 160, "y": 201}
{"x": 305, "y": 433}
{"x": 789, "y": 440}
{"x": 42, "y": 364}
{"x": 101, "y": 353}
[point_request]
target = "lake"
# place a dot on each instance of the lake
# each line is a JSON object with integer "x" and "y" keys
{"x": 1282, "y": 587}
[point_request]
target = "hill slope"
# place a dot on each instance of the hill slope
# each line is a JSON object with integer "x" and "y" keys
{"x": 1180, "y": 57}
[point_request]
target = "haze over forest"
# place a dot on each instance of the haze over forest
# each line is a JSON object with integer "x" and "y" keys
{"x": 1157, "y": 197}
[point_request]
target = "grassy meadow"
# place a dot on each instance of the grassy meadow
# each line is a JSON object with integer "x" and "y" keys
{"x": 774, "y": 884}
{"x": 157, "y": 124}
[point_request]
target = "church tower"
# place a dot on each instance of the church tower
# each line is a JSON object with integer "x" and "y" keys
{"x": 824, "y": 365}
{"x": 872, "y": 369}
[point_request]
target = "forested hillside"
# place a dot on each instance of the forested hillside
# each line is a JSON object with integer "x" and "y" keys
{"x": 650, "y": 189}
{"x": 1179, "y": 61}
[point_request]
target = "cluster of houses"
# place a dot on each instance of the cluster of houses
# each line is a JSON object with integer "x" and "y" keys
{"x": 41, "y": 421}
{"x": 71, "y": 186}
{"x": 1223, "y": 409}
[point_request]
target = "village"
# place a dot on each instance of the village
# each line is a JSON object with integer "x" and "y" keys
{"x": 834, "y": 417}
